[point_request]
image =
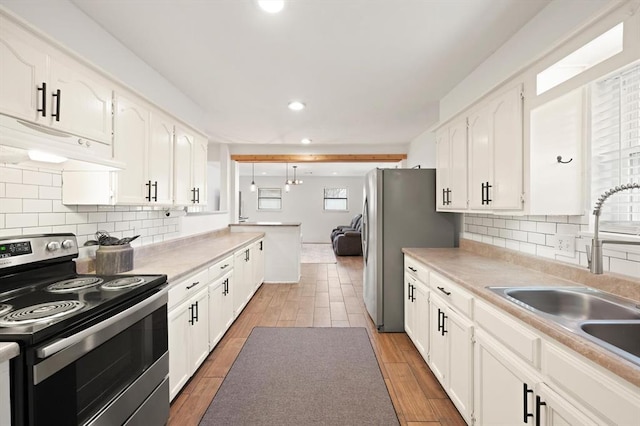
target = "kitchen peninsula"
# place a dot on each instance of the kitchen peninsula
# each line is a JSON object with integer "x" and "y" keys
{"x": 282, "y": 258}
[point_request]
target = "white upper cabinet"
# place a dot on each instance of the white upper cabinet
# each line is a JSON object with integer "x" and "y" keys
{"x": 190, "y": 163}
{"x": 41, "y": 84}
{"x": 495, "y": 153}
{"x": 451, "y": 166}
{"x": 160, "y": 157}
{"x": 23, "y": 74}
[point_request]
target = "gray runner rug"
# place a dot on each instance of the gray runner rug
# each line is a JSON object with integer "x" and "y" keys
{"x": 303, "y": 376}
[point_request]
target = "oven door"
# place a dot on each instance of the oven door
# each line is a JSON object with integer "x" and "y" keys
{"x": 114, "y": 372}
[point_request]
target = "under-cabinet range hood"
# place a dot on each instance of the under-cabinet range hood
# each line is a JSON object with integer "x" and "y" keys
{"x": 20, "y": 136}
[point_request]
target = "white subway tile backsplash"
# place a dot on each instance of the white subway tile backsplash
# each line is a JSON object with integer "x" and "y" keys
{"x": 56, "y": 179}
{"x": 97, "y": 217}
{"x": 37, "y": 230}
{"x": 50, "y": 219}
{"x": 11, "y": 205}
{"x": 10, "y": 175}
{"x": 87, "y": 209}
{"x": 36, "y": 178}
{"x": 1, "y": 220}
{"x": 142, "y": 215}
{"x": 37, "y": 206}
{"x": 87, "y": 228}
{"x": 114, "y": 216}
{"x": 107, "y": 226}
{"x": 537, "y": 235}
{"x": 122, "y": 226}
{"x": 57, "y": 206}
{"x": 10, "y": 232}
{"x": 50, "y": 192}
{"x": 21, "y": 220}
{"x": 3, "y": 192}
{"x": 18, "y": 190}
{"x": 65, "y": 229}
{"x": 76, "y": 218}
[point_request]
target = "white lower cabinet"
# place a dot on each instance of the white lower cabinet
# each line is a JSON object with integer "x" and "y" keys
{"x": 220, "y": 308}
{"x": 451, "y": 353}
{"x": 188, "y": 322}
{"x": 257, "y": 258}
{"x": 242, "y": 275}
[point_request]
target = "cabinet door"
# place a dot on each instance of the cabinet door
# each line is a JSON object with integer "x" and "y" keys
{"x": 227, "y": 302}
{"x": 503, "y": 386}
{"x": 199, "y": 329}
{"x": 437, "y": 340}
{"x": 557, "y": 411}
{"x": 239, "y": 286}
{"x": 480, "y": 158}
{"x": 459, "y": 380}
{"x": 160, "y": 157}
{"x": 458, "y": 168}
{"x": 83, "y": 104}
{"x": 421, "y": 319}
{"x": 443, "y": 151}
{"x": 200, "y": 171}
{"x": 179, "y": 336}
{"x": 130, "y": 143}
{"x": 184, "y": 147}
{"x": 23, "y": 74}
{"x": 217, "y": 322}
{"x": 258, "y": 263}
{"x": 409, "y": 311}
{"x": 506, "y": 120}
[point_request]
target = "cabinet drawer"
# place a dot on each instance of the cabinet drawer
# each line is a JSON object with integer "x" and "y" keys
{"x": 507, "y": 330}
{"x": 187, "y": 287}
{"x": 416, "y": 269}
{"x": 455, "y": 296}
{"x": 604, "y": 395}
{"x": 220, "y": 268}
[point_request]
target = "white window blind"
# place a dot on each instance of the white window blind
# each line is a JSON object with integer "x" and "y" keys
{"x": 335, "y": 199}
{"x": 269, "y": 199}
{"x": 615, "y": 148}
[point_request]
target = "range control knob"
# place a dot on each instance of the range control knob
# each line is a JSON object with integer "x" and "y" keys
{"x": 67, "y": 244}
{"x": 53, "y": 246}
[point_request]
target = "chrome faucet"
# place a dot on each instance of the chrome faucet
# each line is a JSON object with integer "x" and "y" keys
{"x": 594, "y": 254}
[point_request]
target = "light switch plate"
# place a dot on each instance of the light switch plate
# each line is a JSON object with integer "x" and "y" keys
{"x": 566, "y": 245}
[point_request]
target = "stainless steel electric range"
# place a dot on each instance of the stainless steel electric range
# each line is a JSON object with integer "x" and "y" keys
{"x": 93, "y": 349}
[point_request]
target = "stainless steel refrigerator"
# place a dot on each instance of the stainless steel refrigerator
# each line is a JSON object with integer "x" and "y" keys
{"x": 399, "y": 211}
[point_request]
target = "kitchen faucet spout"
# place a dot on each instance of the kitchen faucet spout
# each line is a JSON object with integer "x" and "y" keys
{"x": 594, "y": 253}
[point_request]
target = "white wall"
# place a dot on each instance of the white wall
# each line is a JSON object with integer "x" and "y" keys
{"x": 422, "y": 151}
{"x": 304, "y": 204}
{"x": 68, "y": 25}
{"x": 400, "y": 148}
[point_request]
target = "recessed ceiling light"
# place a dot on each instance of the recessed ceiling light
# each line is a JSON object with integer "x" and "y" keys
{"x": 305, "y": 141}
{"x": 296, "y": 105}
{"x": 271, "y": 6}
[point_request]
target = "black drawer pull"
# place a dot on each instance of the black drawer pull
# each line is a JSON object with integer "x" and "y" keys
{"x": 525, "y": 397}
{"x": 539, "y": 403}
{"x": 412, "y": 269}
{"x": 193, "y": 285}
{"x": 448, "y": 293}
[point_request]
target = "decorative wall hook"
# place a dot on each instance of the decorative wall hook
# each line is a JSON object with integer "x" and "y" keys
{"x": 559, "y": 158}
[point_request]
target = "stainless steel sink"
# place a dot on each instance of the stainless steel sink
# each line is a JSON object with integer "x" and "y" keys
{"x": 605, "y": 319}
{"x": 622, "y": 334}
{"x": 574, "y": 303}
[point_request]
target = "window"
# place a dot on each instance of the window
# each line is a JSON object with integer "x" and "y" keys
{"x": 269, "y": 199}
{"x": 615, "y": 148}
{"x": 335, "y": 198}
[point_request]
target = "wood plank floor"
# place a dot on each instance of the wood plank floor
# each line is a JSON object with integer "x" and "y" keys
{"x": 328, "y": 295}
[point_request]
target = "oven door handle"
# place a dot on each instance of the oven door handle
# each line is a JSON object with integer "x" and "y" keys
{"x": 136, "y": 313}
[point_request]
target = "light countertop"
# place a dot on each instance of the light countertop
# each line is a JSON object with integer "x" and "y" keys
{"x": 474, "y": 272}
{"x": 266, "y": 224}
{"x": 180, "y": 258}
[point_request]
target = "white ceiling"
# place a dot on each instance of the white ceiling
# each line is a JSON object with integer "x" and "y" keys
{"x": 370, "y": 71}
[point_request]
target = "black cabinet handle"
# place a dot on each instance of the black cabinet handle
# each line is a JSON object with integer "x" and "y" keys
{"x": 225, "y": 287}
{"x": 440, "y": 326}
{"x": 193, "y": 285}
{"x": 192, "y": 319}
{"x": 43, "y": 89}
{"x": 148, "y": 185}
{"x": 525, "y": 402}
{"x": 444, "y": 197}
{"x": 57, "y": 113}
{"x": 448, "y": 196}
{"x": 444, "y": 317}
{"x": 155, "y": 191}
{"x": 197, "y": 311}
{"x": 539, "y": 403}
{"x": 261, "y": 245}
{"x": 485, "y": 193}
{"x": 412, "y": 269}
{"x": 225, "y": 266}
{"x": 408, "y": 291}
{"x": 198, "y": 191}
{"x": 442, "y": 289}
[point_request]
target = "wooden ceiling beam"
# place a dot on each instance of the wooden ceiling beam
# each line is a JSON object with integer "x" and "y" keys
{"x": 320, "y": 158}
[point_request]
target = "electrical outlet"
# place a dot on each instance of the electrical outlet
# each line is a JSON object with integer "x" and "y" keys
{"x": 566, "y": 245}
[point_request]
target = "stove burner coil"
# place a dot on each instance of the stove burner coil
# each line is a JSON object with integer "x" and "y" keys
{"x": 4, "y": 308}
{"x": 40, "y": 313}
{"x": 121, "y": 283}
{"x": 73, "y": 284}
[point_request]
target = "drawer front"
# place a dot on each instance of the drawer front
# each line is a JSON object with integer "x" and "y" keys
{"x": 511, "y": 334}
{"x": 220, "y": 268}
{"x": 605, "y": 395}
{"x": 416, "y": 269}
{"x": 459, "y": 299}
{"x": 187, "y": 287}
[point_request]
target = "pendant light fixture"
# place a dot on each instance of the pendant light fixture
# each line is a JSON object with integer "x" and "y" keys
{"x": 253, "y": 177}
{"x": 295, "y": 180}
{"x": 286, "y": 182}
